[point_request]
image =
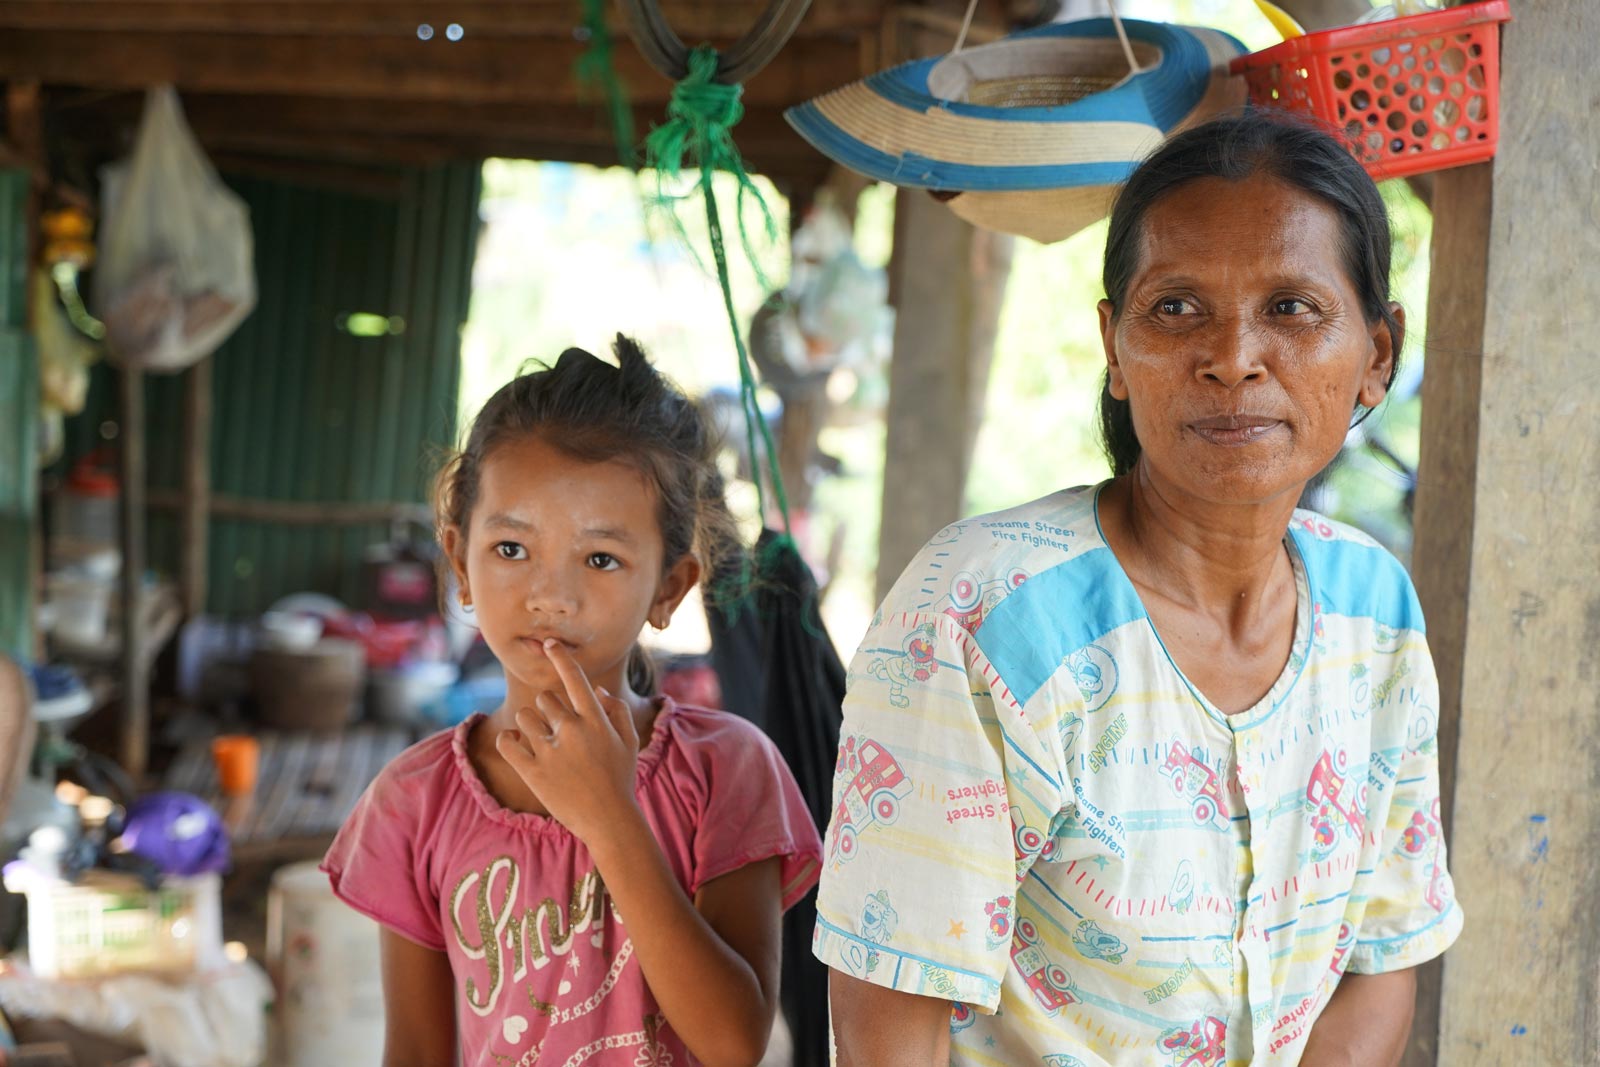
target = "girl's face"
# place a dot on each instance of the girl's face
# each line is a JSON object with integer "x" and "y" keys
{"x": 557, "y": 547}
{"x": 1241, "y": 343}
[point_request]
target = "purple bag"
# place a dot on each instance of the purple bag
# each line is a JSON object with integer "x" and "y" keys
{"x": 179, "y": 832}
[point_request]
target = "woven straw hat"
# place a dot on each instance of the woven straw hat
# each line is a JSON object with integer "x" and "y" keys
{"x": 1032, "y": 133}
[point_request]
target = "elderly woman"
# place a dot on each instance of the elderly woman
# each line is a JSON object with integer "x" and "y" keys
{"x": 1145, "y": 773}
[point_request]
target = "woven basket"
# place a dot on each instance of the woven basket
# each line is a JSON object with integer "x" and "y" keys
{"x": 316, "y": 689}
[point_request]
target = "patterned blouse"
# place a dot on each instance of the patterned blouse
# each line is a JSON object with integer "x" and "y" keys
{"x": 1039, "y": 818}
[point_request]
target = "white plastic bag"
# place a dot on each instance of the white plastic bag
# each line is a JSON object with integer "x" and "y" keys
{"x": 176, "y": 271}
{"x": 215, "y": 1019}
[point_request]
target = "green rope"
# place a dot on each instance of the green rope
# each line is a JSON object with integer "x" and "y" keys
{"x": 597, "y": 67}
{"x": 700, "y": 119}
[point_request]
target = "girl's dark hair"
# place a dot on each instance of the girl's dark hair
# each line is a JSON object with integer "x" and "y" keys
{"x": 596, "y": 412}
{"x": 1257, "y": 141}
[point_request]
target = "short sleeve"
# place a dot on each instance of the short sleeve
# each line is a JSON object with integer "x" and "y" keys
{"x": 1411, "y": 914}
{"x": 374, "y": 863}
{"x": 754, "y": 811}
{"x": 944, "y": 795}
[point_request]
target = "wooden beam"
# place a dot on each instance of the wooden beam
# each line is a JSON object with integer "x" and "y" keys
{"x": 379, "y": 182}
{"x": 503, "y": 18}
{"x": 296, "y": 512}
{"x": 394, "y": 68}
{"x": 1516, "y": 451}
{"x": 417, "y": 151}
{"x": 583, "y": 120}
{"x": 347, "y": 132}
{"x": 761, "y": 133}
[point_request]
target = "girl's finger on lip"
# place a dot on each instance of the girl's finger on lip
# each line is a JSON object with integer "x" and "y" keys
{"x": 567, "y": 668}
{"x": 560, "y": 659}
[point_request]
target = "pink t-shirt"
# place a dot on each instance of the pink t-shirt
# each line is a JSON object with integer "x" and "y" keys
{"x": 544, "y": 969}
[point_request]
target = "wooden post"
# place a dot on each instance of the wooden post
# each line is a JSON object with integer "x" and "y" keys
{"x": 1507, "y": 558}
{"x": 1442, "y": 561}
{"x": 135, "y": 665}
{"x": 947, "y": 282}
{"x": 196, "y": 486}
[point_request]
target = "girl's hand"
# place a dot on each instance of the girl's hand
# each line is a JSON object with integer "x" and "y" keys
{"x": 576, "y": 750}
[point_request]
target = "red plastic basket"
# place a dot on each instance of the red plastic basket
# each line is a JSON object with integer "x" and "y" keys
{"x": 1413, "y": 94}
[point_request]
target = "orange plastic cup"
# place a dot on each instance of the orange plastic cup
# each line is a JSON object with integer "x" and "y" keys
{"x": 238, "y": 760}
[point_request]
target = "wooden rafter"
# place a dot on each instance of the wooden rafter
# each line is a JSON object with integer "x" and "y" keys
{"x": 366, "y": 132}
{"x": 527, "y": 71}
{"x": 354, "y": 82}
{"x": 373, "y": 18}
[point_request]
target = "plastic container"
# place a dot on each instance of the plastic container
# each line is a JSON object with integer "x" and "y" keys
{"x": 1412, "y": 94}
{"x": 87, "y": 508}
{"x": 238, "y": 760}
{"x": 388, "y": 642}
{"x": 80, "y": 606}
{"x": 324, "y": 959}
{"x": 110, "y": 924}
{"x": 400, "y": 579}
{"x": 289, "y": 631}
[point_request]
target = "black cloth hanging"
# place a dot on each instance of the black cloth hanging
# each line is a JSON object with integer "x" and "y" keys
{"x": 779, "y": 669}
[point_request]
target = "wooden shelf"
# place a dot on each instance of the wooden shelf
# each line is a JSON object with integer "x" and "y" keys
{"x": 161, "y": 613}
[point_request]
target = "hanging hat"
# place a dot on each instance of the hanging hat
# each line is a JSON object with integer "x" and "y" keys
{"x": 1032, "y": 133}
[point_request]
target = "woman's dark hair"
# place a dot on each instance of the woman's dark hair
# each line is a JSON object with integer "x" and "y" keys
{"x": 595, "y": 412}
{"x": 1257, "y": 141}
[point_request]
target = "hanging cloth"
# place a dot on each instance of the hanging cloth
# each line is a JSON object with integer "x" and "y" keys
{"x": 778, "y": 668}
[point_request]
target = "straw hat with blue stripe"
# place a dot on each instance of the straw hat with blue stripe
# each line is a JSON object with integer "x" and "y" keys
{"x": 1033, "y": 133}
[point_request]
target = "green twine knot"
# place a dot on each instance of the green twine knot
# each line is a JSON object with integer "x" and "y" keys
{"x": 700, "y": 118}
{"x": 597, "y": 67}
{"x": 705, "y": 104}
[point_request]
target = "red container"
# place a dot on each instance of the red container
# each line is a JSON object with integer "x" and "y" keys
{"x": 1412, "y": 94}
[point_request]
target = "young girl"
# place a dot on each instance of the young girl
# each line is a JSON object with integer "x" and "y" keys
{"x": 592, "y": 874}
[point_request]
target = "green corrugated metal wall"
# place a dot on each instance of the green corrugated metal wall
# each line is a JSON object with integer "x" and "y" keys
{"x": 304, "y": 411}
{"x": 19, "y": 421}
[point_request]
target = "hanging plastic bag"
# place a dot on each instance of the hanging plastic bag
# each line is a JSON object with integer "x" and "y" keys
{"x": 177, "y": 267}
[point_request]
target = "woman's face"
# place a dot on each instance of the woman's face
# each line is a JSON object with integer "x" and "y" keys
{"x": 1241, "y": 345}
